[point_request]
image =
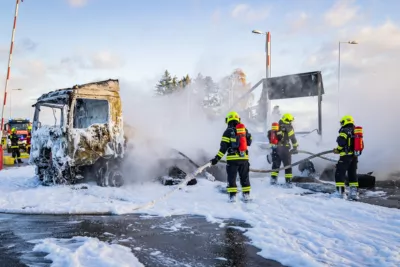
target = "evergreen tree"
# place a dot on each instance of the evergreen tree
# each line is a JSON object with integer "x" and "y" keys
{"x": 164, "y": 85}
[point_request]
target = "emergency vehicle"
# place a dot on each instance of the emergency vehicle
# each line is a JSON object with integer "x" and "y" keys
{"x": 21, "y": 125}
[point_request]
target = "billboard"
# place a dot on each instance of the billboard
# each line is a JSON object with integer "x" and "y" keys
{"x": 295, "y": 85}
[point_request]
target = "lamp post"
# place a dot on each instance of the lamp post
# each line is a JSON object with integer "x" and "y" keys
{"x": 17, "y": 89}
{"x": 348, "y": 42}
{"x": 267, "y": 71}
{"x": 267, "y": 51}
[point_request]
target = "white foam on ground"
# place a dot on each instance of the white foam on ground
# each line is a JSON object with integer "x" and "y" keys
{"x": 86, "y": 251}
{"x": 292, "y": 229}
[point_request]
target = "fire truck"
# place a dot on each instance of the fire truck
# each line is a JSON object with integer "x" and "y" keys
{"x": 21, "y": 125}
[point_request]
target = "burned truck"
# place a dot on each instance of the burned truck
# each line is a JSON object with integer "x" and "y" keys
{"x": 86, "y": 140}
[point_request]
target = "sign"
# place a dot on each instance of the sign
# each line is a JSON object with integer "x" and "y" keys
{"x": 295, "y": 85}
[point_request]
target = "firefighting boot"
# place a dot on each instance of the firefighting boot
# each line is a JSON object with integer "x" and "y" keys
{"x": 20, "y": 161}
{"x": 246, "y": 196}
{"x": 340, "y": 192}
{"x": 288, "y": 183}
{"x": 353, "y": 193}
{"x": 274, "y": 180}
{"x": 232, "y": 197}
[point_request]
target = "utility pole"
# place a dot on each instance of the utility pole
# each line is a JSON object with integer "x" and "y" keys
{"x": 267, "y": 74}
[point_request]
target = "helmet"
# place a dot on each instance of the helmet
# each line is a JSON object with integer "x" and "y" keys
{"x": 13, "y": 130}
{"x": 287, "y": 118}
{"x": 346, "y": 120}
{"x": 232, "y": 116}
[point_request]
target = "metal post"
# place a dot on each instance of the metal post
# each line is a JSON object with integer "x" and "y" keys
{"x": 9, "y": 68}
{"x": 338, "y": 90}
{"x": 267, "y": 75}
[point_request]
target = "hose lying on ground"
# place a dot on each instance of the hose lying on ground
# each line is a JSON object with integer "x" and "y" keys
{"x": 291, "y": 165}
{"x": 180, "y": 186}
{"x": 322, "y": 157}
{"x": 208, "y": 175}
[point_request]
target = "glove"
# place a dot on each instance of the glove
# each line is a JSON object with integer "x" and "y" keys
{"x": 294, "y": 151}
{"x": 214, "y": 161}
{"x": 336, "y": 151}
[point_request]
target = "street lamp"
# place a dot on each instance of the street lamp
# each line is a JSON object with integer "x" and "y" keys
{"x": 267, "y": 70}
{"x": 348, "y": 42}
{"x": 17, "y": 89}
{"x": 267, "y": 50}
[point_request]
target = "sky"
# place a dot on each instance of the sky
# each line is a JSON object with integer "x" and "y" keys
{"x": 60, "y": 43}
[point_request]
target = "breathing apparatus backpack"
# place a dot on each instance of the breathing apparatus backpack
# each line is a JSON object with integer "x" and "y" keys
{"x": 358, "y": 140}
{"x": 273, "y": 137}
{"x": 239, "y": 134}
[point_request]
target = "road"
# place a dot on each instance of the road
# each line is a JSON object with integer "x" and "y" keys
{"x": 195, "y": 243}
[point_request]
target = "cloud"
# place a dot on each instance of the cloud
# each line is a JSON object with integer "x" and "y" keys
{"x": 96, "y": 61}
{"x": 341, "y": 13}
{"x": 248, "y": 14}
{"x": 298, "y": 21}
{"x": 77, "y": 3}
{"x": 105, "y": 60}
{"x": 27, "y": 44}
{"x": 20, "y": 47}
{"x": 216, "y": 17}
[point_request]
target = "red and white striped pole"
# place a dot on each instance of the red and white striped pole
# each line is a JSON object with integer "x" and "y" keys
{"x": 268, "y": 58}
{"x": 9, "y": 68}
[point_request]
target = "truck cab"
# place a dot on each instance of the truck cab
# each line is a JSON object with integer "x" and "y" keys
{"x": 86, "y": 139}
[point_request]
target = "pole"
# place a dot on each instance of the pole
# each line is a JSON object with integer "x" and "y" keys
{"x": 338, "y": 90}
{"x": 9, "y": 68}
{"x": 267, "y": 75}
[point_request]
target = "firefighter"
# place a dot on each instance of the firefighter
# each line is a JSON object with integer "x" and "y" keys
{"x": 284, "y": 152}
{"x": 28, "y": 140}
{"x": 14, "y": 146}
{"x": 237, "y": 161}
{"x": 347, "y": 160}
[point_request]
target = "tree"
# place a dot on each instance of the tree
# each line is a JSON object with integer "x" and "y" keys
{"x": 185, "y": 81}
{"x": 164, "y": 86}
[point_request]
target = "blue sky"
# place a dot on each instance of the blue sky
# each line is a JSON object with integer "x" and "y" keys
{"x": 59, "y": 44}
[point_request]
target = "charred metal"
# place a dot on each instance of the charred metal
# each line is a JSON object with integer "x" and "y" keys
{"x": 89, "y": 141}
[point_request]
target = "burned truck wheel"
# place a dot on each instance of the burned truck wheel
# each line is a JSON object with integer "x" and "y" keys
{"x": 108, "y": 173}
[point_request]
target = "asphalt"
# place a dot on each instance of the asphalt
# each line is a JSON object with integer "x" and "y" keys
{"x": 153, "y": 240}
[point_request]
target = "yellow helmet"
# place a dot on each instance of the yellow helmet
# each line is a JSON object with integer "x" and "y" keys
{"x": 232, "y": 116}
{"x": 13, "y": 130}
{"x": 346, "y": 120}
{"x": 287, "y": 118}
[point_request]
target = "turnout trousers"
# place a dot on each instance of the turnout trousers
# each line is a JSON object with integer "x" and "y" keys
{"x": 281, "y": 155}
{"x": 347, "y": 163}
{"x": 16, "y": 154}
{"x": 233, "y": 168}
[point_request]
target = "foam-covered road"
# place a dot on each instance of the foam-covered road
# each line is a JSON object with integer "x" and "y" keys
{"x": 131, "y": 240}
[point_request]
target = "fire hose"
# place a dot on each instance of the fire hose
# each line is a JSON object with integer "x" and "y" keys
{"x": 293, "y": 164}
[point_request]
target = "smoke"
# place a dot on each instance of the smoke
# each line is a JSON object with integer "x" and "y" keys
{"x": 164, "y": 125}
{"x": 369, "y": 91}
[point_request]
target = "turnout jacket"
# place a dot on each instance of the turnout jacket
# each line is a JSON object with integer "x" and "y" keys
{"x": 345, "y": 140}
{"x": 286, "y": 135}
{"x": 14, "y": 140}
{"x": 229, "y": 137}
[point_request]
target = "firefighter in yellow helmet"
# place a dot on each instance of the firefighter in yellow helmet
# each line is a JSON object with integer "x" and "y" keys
{"x": 348, "y": 161}
{"x": 28, "y": 140}
{"x": 237, "y": 156}
{"x": 15, "y": 146}
{"x": 283, "y": 150}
